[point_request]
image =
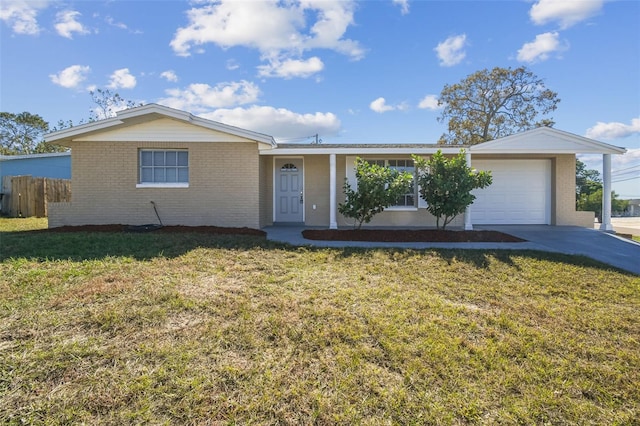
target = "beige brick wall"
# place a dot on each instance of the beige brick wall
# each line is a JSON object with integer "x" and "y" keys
{"x": 266, "y": 191}
{"x": 564, "y": 198}
{"x": 223, "y": 186}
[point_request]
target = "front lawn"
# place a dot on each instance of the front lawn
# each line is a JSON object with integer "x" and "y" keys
{"x": 117, "y": 328}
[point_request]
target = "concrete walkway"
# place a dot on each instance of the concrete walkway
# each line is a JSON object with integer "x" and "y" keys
{"x": 616, "y": 251}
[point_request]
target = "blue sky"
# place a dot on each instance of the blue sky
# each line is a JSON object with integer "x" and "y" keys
{"x": 366, "y": 71}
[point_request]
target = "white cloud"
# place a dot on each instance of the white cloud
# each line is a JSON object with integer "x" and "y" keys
{"x": 404, "y": 6}
{"x": 613, "y": 130}
{"x": 291, "y": 68}
{"x": 122, "y": 79}
{"x": 380, "y": 106}
{"x": 278, "y": 122}
{"x": 540, "y": 49}
{"x": 278, "y": 30}
{"x": 429, "y": 102}
{"x": 109, "y": 20}
{"x": 200, "y": 97}
{"x": 451, "y": 51}
{"x": 169, "y": 75}
{"x": 21, "y": 15}
{"x": 67, "y": 24}
{"x": 232, "y": 65}
{"x": 71, "y": 77}
{"x": 566, "y": 12}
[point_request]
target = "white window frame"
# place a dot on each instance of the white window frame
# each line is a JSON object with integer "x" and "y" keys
{"x": 142, "y": 184}
{"x": 351, "y": 177}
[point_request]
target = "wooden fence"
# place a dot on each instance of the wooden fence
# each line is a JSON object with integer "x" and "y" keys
{"x": 26, "y": 196}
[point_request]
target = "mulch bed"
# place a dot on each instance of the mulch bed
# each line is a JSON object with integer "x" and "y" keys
{"x": 410, "y": 235}
{"x": 163, "y": 230}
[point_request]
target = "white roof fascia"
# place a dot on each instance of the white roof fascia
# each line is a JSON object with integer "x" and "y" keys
{"x": 154, "y": 108}
{"x": 28, "y": 156}
{"x": 361, "y": 151}
{"x": 82, "y": 128}
{"x": 556, "y": 142}
{"x": 548, "y": 151}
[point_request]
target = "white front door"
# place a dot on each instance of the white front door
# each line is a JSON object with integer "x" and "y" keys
{"x": 289, "y": 190}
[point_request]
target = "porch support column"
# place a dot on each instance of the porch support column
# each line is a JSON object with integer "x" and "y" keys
{"x": 606, "y": 194}
{"x": 333, "y": 223}
{"x": 468, "y": 226}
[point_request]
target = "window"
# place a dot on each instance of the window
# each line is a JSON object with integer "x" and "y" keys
{"x": 408, "y": 199}
{"x": 164, "y": 168}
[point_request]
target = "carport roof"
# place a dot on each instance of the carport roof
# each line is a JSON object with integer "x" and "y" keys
{"x": 545, "y": 140}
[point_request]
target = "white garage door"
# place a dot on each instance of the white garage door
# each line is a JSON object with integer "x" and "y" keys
{"x": 520, "y": 193}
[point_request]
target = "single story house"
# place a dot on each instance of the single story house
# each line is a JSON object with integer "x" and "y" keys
{"x": 200, "y": 172}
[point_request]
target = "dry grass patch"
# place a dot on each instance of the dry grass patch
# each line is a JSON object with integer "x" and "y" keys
{"x": 198, "y": 329}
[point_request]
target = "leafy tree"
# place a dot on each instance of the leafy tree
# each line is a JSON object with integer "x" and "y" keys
{"x": 593, "y": 202}
{"x": 64, "y": 125}
{"x": 107, "y": 104}
{"x": 587, "y": 182}
{"x": 378, "y": 188}
{"x": 446, "y": 185}
{"x": 23, "y": 133}
{"x": 487, "y": 105}
{"x": 44, "y": 147}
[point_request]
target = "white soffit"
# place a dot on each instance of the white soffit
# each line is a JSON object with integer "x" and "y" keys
{"x": 545, "y": 140}
{"x": 363, "y": 150}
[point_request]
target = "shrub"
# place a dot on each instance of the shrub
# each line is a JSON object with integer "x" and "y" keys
{"x": 446, "y": 185}
{"x": 378, "y": 187}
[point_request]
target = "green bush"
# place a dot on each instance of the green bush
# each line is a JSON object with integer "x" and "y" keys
{"x": 446, "y": 185}
{"x": 378, "y": 188}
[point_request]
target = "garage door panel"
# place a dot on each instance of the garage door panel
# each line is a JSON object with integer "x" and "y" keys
{"x": 519, "y": 194}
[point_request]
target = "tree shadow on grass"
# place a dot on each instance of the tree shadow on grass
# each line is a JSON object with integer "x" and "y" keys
{"x": 81, "y": 246}
{"x": 482, "y": 259}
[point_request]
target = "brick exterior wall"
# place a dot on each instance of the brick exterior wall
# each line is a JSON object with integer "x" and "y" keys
{"x": 231, "y": 185}
{"x": 564, "y": 194}
{"x": 223, "y": 186}
{"x": 266, "y": 191}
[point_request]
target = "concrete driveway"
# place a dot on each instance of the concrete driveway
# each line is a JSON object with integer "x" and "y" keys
{"x": 608, "y": 248}
{"x": 616, "y": 251}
